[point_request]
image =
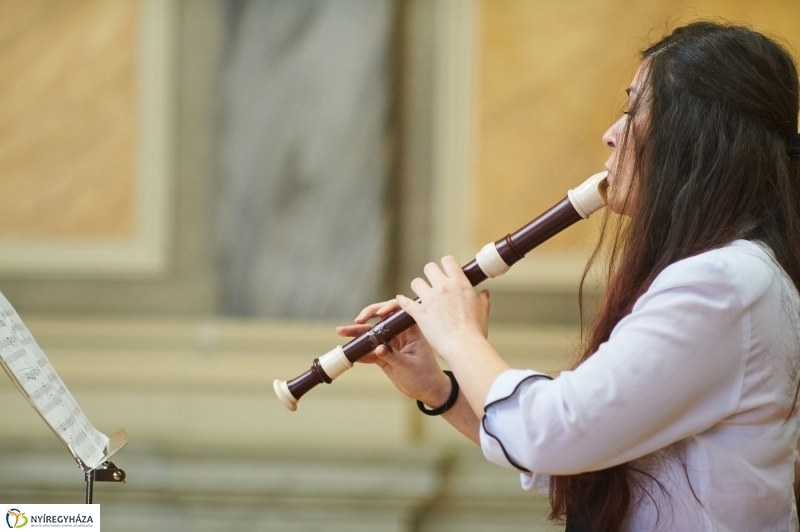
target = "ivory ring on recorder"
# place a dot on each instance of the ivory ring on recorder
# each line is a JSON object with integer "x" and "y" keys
{"x": 334, "y": 362}
{"x": 490, "y": 261}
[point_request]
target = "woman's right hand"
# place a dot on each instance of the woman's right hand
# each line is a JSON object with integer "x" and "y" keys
{"x": 409, "y": 362}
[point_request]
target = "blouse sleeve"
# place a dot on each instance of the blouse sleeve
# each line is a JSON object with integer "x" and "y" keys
{"x": 672, "y": 368}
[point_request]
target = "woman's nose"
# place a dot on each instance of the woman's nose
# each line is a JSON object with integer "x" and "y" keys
{"x": 610, "y": 137}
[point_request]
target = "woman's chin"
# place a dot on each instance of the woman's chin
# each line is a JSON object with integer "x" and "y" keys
{"x": 614, "y": 204}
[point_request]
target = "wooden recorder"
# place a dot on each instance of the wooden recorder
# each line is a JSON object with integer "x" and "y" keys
{"x": 493, "y": 260}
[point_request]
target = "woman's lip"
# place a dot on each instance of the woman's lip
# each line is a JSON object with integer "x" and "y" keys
{"x": 608, "y": 176}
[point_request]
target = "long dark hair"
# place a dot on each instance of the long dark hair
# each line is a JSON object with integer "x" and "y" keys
{"x": 710, "y": 166}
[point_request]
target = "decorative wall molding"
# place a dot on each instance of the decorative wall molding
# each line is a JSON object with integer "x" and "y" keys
{"x": 147, "y": 254}
{"x": 456, "y": 27}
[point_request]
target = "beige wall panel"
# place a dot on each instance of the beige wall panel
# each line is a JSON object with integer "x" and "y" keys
{"x": 69, "y": 119}
{"x": 86, "y": 137}
{"x": 550, "y": 79}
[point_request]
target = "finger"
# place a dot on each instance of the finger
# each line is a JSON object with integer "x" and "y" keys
{"x": 352, "y": 330}
{"x": 369, "y": 312}
{"x": 433, "y": 273}
{"x": 420, "y": 287}
{"x": 409, "y": 305}
{"x": 390, "y": 307}
{"x": 452, "y": 268}
{"x": 364, "y": 315}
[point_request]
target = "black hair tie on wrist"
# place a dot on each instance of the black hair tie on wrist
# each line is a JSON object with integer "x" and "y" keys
{"x": 450, "y": 400}
{"x": 793, "y": 145}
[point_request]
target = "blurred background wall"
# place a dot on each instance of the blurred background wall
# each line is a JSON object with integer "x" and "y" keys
{"x": 196, "y": 192}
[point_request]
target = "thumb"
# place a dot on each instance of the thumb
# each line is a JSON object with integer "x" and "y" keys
{"x": 483, "y": 300}
{"x": 385, "y": 353}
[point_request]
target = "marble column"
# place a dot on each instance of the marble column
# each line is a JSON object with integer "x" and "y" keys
{"x": 301, "y": 205}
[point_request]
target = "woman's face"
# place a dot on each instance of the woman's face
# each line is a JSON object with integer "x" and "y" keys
{"x": 621, "y": 169}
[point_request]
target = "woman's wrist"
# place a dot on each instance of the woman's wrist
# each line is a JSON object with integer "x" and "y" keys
{"x": 478, "y": 367}
{"x": 461, "y": 345}
{"x": 437, "y": 395}
{"x": 448, "y": 404}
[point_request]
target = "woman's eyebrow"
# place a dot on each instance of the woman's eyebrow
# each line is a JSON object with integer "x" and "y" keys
{"x": 630, "y": 90}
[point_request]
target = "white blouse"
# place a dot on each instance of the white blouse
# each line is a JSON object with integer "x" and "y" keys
{"x": 695, "y": 386}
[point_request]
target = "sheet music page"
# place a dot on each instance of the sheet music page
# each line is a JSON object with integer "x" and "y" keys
{"x": 29, "y": 369}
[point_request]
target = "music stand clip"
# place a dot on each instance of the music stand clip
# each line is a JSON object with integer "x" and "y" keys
{"x": 106, "y": 471}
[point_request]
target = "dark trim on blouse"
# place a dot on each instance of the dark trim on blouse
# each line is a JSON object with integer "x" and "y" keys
{"x": 486, "y": 408}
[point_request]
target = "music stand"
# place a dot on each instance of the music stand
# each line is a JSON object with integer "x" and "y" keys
{"x": 29, "y": 369}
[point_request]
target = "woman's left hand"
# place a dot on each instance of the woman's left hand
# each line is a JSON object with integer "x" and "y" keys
{"x": 449, "y": 313}
{"x": 408, "y": 360}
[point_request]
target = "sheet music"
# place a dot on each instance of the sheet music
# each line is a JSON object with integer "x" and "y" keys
{"x": 29, "y": 369}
